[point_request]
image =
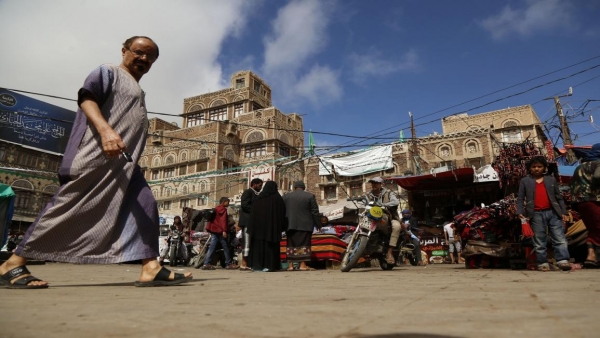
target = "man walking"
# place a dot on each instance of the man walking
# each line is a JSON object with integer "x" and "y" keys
{"x": 453, "y": 240}
{"x": 302, "y": 213}
{"x": 104, "y": 211}
{"x": 246, "y": 206}
{"x": 218, "y": 228}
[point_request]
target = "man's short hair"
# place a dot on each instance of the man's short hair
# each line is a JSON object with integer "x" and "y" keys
{"x": 255, "y": 181}
{"x": 376, "y": 180}
{"x": 223, "y": 199}
{"x": 299, "y": 184}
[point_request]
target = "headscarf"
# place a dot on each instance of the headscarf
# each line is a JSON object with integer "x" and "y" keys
{"x": 268, "y": 189}
{"x": 593, "y": 154}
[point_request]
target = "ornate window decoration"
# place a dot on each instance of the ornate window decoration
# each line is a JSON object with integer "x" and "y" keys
{"x": 257, "y": 115}
{"x": 445, "y": 150}
{"x": 510, "y": 124}
{"x": 512, "y": 133}
{"x": 255, "y": 136}
{"x": 471, "y": 147}
{"x": 183, "y": 156}
{"x": 229, "y": 154}
{"x": 184, "y": 190}
{"x": 228, "y": 188}
{"x": 144, "y": 162}
{"x": 202, "y": 186}
{"x": 156, "y": 161}
{"x": 23, "y": 184}
{"x": 218, "y": 102}
{"x": 196, "y": 107}
{"x": 203, "y": 153}
{"x": 51, "y": 189}
{"x": 170, "y": 159}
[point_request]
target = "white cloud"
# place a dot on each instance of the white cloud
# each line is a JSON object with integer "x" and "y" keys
{"x": 537, "y": 16}
{"x": 373, "y": 64}
{"x": 299, "y": 32}
{"x": 320, "y": 86}
{"x": 54, "y": 45}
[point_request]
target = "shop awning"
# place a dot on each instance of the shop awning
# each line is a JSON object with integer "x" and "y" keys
{"x": 19, "y": 218}
{"x": 444, "y": 180}
{"x": 343, "y": 212}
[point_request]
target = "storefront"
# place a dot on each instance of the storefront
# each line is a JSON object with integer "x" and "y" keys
{"x": 436, "y": 198}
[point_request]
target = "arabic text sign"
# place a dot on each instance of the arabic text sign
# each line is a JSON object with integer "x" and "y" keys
{"x": 486, "y": 174}
{"x": 335, "y": 214}
{"x": 34, "y": 123}
{"x": 368, "y": 161}
{"x": 265, "y": 174}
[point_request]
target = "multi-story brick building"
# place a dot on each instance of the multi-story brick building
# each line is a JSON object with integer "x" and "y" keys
{"x": 32, "y": 174}
{"x": 466, "y": 141}
{"x": 228, "y": 137}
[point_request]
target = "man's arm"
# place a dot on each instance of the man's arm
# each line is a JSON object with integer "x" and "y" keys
{"x": 246, "y": 201}
{"x": 521, "y": 198}
{"x": 112, "y": 144}
{"x": 393, "y": 200}
{"x": 314, "y": 210}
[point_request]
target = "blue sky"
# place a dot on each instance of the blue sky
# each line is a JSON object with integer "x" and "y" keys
{"x": 350, "y": 67}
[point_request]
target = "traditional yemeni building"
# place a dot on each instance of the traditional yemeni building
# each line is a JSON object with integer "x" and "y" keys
{"x": 466, "y": 142}
{"x": 32, "y": 174}
{"x": 228, "y": 137}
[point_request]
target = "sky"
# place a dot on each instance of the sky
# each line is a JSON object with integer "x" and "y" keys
{"x": 354, "y": 68}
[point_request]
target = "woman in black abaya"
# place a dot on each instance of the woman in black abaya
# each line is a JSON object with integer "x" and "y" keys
{"x": 267, "y": 222}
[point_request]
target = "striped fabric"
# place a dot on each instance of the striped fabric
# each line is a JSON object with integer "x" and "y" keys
{"x": 104, "y": 211}
{"x": 323, "y": 247}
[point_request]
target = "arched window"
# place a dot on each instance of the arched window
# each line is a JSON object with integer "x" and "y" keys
{"x": 445, "y": 150}
{"x": 51, "y": 189}
{"x": 217, "y": 103}
{"x": 229, "y": 154}
{"x": 170, "y": 159}
{"x": 254, "y": 136}
{"x": 471, "y": 147}
{"x": 156, "y": 161}
{"x": 183, "y": 156}
{"x": 22, "y": 184}
{"x": 184, "y": 190}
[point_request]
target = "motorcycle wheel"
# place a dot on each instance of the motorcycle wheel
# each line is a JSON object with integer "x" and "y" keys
{"x": 173, "y": 256}
{"x": 351, "y": 257}
{"x": 384, "y": 264}
{"x": 412, "y": 260}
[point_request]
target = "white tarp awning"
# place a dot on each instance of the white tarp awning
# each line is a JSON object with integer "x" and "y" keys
{"x": 364, "y": 162}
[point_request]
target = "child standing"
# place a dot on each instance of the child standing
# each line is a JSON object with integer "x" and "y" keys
{"x": 541, "y": 202}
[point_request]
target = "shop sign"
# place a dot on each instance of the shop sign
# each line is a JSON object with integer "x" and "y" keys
{"x": 486, "y": 174}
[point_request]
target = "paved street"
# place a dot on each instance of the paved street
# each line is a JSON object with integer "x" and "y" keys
{"x": 436, "y": 301}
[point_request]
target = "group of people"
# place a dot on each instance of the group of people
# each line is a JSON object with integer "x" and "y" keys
{"x": 265, "y": 215}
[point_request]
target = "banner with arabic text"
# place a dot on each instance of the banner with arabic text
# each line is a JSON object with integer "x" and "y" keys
{"x": 34, "y": 123}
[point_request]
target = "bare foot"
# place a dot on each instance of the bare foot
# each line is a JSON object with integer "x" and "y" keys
{"x": 16, "y": 261}
{"x": 150, "y": 269}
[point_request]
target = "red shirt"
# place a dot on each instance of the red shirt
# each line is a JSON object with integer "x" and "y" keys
{"x": 541, "y": 200}
{"x": 219, "y": 224}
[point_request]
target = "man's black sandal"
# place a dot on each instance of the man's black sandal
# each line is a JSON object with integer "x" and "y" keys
{"x": 21, "y": 283}
{"x": 162, "y": 279}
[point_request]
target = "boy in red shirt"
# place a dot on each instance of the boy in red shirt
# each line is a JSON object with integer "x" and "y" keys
{"x": 218, "y": 228}
{"x": 544, "y": 208}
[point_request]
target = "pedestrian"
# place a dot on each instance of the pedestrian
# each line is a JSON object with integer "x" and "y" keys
{"x": 248, "y": 196}
{"x": 104, "y": 211}
{"x": 453, "y": 240}
{"x": 541, "y": 202}
{"x": 219, "y": 228}
{"x": 302, "y": 213}
{"x": 585, "y": 189}
{"x": 267, "y": 222}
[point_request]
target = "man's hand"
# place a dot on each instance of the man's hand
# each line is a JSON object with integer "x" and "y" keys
{"x": 225, "y": 234}
{"x": 112, "y": 144}
{"x": 237, "y": 228}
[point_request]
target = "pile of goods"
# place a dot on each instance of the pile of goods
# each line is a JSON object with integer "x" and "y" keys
{"x": 511, "y": 163}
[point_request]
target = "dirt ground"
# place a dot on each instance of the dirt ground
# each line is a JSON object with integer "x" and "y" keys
{"x": 436, "y": 301}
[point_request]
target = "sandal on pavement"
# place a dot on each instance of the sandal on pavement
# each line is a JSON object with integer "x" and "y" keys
{"x": 21, "y": 283}
{"x": 564, "y": 266}
{"x": 245, "y": 268}
{"x": 162, "y": 279}
{"x": 208, "y": 267}
{"x": 588, "y": 264}
{"x": 306, "y": 269}
{"x": 232, "y": 267}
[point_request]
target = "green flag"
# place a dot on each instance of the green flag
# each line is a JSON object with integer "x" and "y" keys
{"x": 311, "y": 143}
{"x": 401, "y": 135}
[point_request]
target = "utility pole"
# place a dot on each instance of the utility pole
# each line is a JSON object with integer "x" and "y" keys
{"x": 564, "y": 127}
{"x": 415, "y": 149}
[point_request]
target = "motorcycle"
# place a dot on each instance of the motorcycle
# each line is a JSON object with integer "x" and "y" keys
{"x": 175, "y": 246}
{"x": 406, "y": 252}
{"x": 368, "y": 239}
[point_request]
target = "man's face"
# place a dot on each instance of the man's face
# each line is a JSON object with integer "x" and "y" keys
{"x": 406, "y": 215}
{"x": 375, "y": 186}
{"x": 257, "y": 186}
{"x": 226, "y": 203}
{"x": 139, "y": 57}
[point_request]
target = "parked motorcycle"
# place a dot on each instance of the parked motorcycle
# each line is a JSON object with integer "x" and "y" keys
{"x": 368, "y": 240}
{"x": 175, "y": 245}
